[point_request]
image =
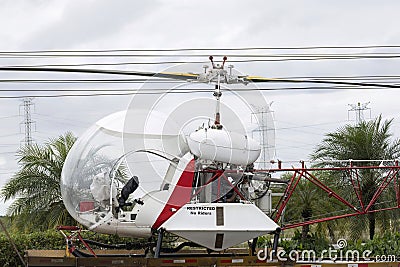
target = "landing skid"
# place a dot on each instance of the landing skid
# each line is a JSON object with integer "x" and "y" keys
{"x": 151, "y": 249}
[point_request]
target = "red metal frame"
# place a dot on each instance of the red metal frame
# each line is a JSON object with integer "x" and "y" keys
{"x": 392, "y": 176}
{"x": 75, "y": 232}
{"x": 233, "y": 187}
{"x": 216, "y": 175}
{"x": 353, "y": 172}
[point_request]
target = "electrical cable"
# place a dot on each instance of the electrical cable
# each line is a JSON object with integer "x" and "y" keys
{"x": 382, "y": 79}
{"x": 127, "y": 91}
{"x": 209, "y": 49}
{"x": 258, "y": 59}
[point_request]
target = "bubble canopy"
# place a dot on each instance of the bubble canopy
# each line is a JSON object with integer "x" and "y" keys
{"x": 99, "y": 155}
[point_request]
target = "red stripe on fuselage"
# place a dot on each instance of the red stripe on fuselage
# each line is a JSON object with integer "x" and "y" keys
{"x": 179, "y": 197}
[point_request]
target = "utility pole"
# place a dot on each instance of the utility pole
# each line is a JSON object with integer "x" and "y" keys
{"x": 264, "y": 130}
{"x": 27, "y": 122}
{"x": 359, "y": 109}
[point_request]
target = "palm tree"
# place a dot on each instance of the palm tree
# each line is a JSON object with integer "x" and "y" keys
{"x": 369, "y": 140}
{"x": 302, "y": 205}
{"x": 36, "y": 186}
{"x": 309, "y": 202}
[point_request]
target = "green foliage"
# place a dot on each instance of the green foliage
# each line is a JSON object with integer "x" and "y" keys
{"x": 313, "y": 241}
{"x": 369, "y": 140}
{"x": 35, "y": 187}
{"x": 386, "y": 244}
{"x": 264, "y": 241}
{"x": 310, "y": 202}
{"x": 50, "y": 239}
{"x": 6, "y": 222}
{"x": 39, "y": 240}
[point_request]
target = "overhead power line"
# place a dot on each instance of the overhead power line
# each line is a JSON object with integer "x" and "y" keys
{"x": 86, "y": 81}
{"x": 124, "y": 92}
{"x": 258, "y": 55}
{"x": 381, "y": 78}
{"x": 193, "y": 55}
{"x": 209, "y": 49}
{"x": 250, "y": 58}
{"x": 193, "y": 90}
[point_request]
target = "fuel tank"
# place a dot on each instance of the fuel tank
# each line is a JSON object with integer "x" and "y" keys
{"x": 224, "y": 146}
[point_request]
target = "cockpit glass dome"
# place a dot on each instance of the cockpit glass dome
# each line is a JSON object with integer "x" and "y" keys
{"x": 91, "y": 158}
{"x": 98, "y": 156}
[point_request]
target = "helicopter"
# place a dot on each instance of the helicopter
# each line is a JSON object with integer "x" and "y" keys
{"x": 204, "y": 194}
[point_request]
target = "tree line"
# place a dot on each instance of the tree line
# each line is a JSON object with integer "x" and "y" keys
{"x": 363, "y": 142}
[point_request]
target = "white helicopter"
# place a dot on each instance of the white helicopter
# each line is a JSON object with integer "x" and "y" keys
{"x": 203, "y": 195}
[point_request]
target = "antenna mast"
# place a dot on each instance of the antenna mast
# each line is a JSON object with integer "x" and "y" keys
{"x": 261, "y": 115}
{"x": 359, "y": 110}
{"x": 27, "y": 122}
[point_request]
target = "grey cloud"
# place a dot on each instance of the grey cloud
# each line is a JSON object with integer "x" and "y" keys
{"x": 88, "y": 21}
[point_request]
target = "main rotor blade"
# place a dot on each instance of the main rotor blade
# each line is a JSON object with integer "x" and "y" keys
{"x": 256, "y": 79}
{"x": 168, "y": 75}
{"x": 191, "y": 76}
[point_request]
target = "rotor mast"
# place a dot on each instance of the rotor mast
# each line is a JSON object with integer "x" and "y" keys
{"x": 217, "y": 92}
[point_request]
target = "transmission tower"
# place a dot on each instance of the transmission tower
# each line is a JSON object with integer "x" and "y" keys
{"x": 27, "y": 122}
{"x": 264, "y": 129}
{"x": 359, "y": 109}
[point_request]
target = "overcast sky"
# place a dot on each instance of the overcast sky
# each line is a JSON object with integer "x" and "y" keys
{"x": 301, "y": 117}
